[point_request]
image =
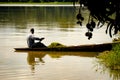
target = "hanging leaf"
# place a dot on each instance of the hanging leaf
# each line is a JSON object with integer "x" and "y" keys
{"x": 110, "y": 30}
{"x": 93, "y": 24}
{"x": 108, "y": 27}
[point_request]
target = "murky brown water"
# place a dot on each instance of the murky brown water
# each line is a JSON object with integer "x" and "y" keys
{"x": 56, "y": 24}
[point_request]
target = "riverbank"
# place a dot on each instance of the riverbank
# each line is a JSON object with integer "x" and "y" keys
{"x": 38, "y": 4}
{"x": 111, "y": 58}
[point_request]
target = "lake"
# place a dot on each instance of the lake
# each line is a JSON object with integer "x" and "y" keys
{"x": 56, "y": 24}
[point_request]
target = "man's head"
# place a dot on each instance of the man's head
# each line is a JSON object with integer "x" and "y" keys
{"x": 32, "y": 30}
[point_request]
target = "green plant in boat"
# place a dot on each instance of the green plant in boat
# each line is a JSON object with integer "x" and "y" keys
{"x": 56, "y": 45}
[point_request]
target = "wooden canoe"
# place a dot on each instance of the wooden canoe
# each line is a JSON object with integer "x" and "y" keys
{"x": 86, "y": 48}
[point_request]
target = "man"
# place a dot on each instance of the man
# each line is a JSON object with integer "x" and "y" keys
{"x": 31, "y": 40}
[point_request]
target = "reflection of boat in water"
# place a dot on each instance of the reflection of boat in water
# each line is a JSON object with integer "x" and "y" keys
{"x": 86, "y": 48}
{"x": 35, "y": 57}
{"x": 79, "y": 54}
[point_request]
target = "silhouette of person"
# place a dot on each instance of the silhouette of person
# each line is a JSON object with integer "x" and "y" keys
{"x": 31, "y": 40}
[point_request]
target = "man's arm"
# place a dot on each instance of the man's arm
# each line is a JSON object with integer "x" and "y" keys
{"x": 40, "y": 39}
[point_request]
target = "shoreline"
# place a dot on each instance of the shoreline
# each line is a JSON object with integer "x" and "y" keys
{"x": 35, "y": 5}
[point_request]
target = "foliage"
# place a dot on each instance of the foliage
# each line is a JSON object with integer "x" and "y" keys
{"x": 111, "y": 58}
{"x": 105, "y": 11}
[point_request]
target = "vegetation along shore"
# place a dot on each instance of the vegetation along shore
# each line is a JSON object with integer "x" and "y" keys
{"x": 111, "y": 59}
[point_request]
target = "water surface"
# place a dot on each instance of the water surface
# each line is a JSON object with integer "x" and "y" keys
{"x": 56, "y": 24}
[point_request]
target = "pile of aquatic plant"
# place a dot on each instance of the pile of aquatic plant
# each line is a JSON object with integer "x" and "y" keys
{"x": 111, "y": 59}
{"x": 116, "y": 39}
{"x": 56, "y": 44}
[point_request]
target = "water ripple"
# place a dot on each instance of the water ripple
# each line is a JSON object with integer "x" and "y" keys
{"x": 13, "y": 73}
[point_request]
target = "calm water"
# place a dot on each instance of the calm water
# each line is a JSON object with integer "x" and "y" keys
{"x": 56, "y": 24}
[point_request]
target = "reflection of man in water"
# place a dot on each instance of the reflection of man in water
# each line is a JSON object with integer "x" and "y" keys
{"x": 34, "y": 58}
{"x": 31, "y": 40}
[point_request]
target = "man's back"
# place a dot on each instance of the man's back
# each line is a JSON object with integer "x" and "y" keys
{"x": 30, "y": 41}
